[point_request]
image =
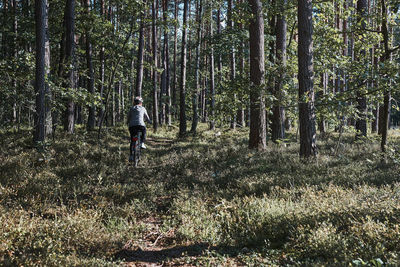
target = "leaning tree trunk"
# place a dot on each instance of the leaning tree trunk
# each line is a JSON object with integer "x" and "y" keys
{"x": 69, "y": 118}
{"x": 257, "y": 136}
{"x": 182, "y": 93}
{"x": 90, "y": 81}
{"x": 308, "y": 145}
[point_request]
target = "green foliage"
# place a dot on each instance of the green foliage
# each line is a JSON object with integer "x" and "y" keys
{"x": 79, "y": 203}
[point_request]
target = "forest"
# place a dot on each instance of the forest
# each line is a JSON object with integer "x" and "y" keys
{"x": 273, "y": 139}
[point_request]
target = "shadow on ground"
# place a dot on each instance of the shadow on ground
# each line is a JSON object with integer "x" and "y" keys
{"x": 158, "y": 255}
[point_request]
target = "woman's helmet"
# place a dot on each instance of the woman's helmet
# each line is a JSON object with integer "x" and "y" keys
{"x": 138, "y": 100}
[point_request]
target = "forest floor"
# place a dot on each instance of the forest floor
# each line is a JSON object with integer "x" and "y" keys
{"x": 198, "y": 201}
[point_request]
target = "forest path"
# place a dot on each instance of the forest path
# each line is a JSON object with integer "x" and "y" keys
{"x": 157, "y": 247}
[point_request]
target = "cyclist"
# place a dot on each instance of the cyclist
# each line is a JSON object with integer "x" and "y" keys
{"x": 136, "y": 117}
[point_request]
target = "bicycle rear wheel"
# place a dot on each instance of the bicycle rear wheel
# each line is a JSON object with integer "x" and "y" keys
{"x": 137, "y": 149}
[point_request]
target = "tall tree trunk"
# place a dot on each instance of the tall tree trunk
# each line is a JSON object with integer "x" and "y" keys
{"x": 361, "y": 123}
{"x": 278, "y": 117}
{"x": 232, "y": 60}
{"x": 219, "y": 31}
{"x": 270, "y": 85}
{"x": 90, "y": 81}
{"x": 166, "y": 73}
{"x": 375, "y": 84}
{"x": 212, "y": 77}
{"x": 69, "y": 120}
{"x": 387, "y": 95}
{"x": 182, "y": 94}
{"x": 14, "y": 52}
{"x": 101, "y": 68}
{"x": 308, "y": 145}
{"x": 4, "y": 37}
{"x": 320, "y": 94}
{"x": 175, "y": 80}
{"x": 140, "y": 53}
{"x": 257, "y": 136}
{"x": 197, "y": 70}
{"x": 155, "y": 72}
{"x": 241, "y": 112}
{"x": 40, "y": 86}
{"x": 48, "y": 96}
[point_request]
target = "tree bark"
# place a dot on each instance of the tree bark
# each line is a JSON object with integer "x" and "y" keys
{"x": 232, "y": 61}
{"x": 219, "y": 31}
{"x": 175, "y": 80}
{"x": 278, "y": 116}
{"x": 212, "y": 78}
{"x": 48, "y": 94}
{"x": 69, "y": 120}
{"x": 361, "y": 123}
{"x": 308, "y": 145}
{"x": 90, "y": 80}
{"x": 257, "y": 136}
{"x": 197, "y": 70}
{"x": 101, "y": 68}
{"x": 155, "y": 72}
{"x": 40, "y": 86}
{"x": 140, "y": 54}
{"x": 182, "y": 113}
{"x": 387, "y": 95}
{"x": 166, "y": 73}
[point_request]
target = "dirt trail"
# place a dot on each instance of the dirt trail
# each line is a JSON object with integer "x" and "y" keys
{"x": 155, "y": 248}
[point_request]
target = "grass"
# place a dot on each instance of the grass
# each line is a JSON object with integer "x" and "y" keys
{"x": 204, "y": 200}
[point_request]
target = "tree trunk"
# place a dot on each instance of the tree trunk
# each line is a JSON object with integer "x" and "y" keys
{"x": 139, "y": 66}
{"x": 278, "y": 116}
{"x": 90, "y": 80}
{"x": 166, "y": 73}
{"x": 212, "y": 78}
{"x": 48, "y": 96}
{"x": 257, "y": 136}
{"x": 361, "y": 123}
{"x": 387, "y": 95}
{"x": 69, "y": 119}
{"x": 175, "y": 80}
{"x": 14, "y": 52}
{"x": 155, "y": 73}
{"x": 232, "y": 61}
{"x": 241, "y": 112}
{"x": 40, "y": 87}
{"x": 219, "y": 31}
{"x": 320, "y": 94}
{"x": 197, "y": 71}
{"x": 182, "y": 113}
{"x": 306, "y": 87}
{"x": 101, "y": 69}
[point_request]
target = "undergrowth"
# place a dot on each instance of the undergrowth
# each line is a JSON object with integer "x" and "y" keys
{"x": 78, "y": 202}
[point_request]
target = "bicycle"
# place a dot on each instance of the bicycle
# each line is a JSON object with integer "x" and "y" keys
{"x": 135, "y": 148}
